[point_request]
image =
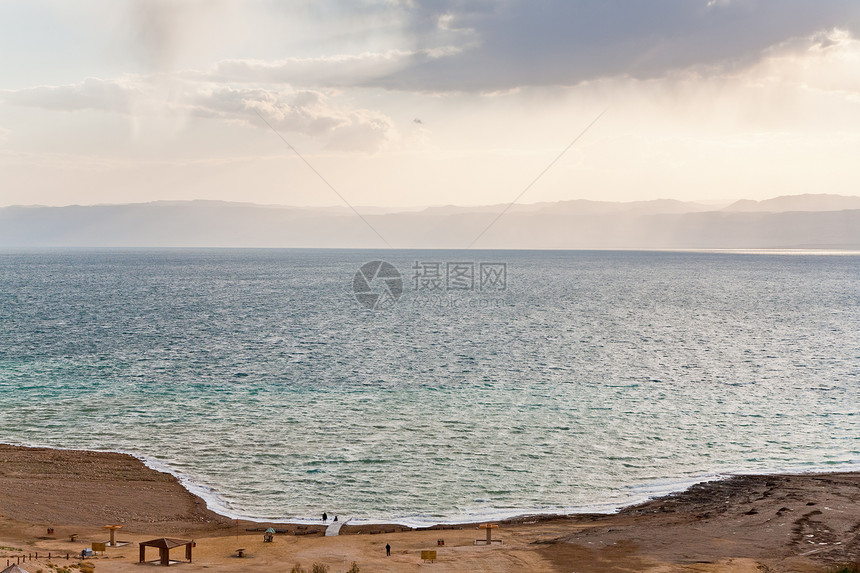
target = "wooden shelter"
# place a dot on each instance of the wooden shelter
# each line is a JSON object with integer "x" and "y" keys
{"x": 14, "y": 569}
{"x": 164, "y": 545}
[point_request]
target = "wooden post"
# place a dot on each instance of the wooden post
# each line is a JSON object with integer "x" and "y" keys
{"x": 489, "y": 527}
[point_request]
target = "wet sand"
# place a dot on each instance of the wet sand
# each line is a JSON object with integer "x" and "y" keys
{"x": 799, "y": 523}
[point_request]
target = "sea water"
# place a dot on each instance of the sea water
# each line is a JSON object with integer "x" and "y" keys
{"x": 553, "y": 382}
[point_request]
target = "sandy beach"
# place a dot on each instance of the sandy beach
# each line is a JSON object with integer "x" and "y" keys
{"x": 770, "y": 523}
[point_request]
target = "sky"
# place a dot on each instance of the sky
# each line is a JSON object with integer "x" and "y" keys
{"x": 407, "y": 103}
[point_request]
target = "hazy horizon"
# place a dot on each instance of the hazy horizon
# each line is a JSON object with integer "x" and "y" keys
{"x": 711, "y": 204}
{"x": 789, "y": 222}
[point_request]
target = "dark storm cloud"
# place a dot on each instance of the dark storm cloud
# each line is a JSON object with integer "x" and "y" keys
{"x": 510, "y": 43}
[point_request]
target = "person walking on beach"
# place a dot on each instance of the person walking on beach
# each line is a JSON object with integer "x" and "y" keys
{"x": 387, "y": 550}
{"x": 325, "y": 516}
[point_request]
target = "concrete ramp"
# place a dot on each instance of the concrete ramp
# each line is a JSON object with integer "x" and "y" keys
{"x": 334, "y": 528}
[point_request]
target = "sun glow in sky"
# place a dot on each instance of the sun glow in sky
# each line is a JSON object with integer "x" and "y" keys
{"x": 426, "y": 102}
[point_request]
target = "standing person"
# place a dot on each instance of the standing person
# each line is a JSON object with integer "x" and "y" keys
{"x": 325, "y": 516}
{"x": 387, "y": 550}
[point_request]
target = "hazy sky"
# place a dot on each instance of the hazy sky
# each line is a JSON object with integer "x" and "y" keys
{"x": 427, "y": 102}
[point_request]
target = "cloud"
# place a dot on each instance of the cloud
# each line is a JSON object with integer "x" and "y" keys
{"x": 92, "y": 93}
{"x": 514, "y": 43}
{"x": 495, "y": 45}
{"x": 307, "y": 112}
{"x": 825, "y": 62}
{"x": 326, "y": 71}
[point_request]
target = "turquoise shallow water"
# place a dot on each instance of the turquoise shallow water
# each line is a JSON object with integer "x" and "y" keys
{"x": 592, "y": 380}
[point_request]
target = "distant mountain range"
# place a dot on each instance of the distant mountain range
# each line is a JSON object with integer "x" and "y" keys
{"x": 789, "y": 222}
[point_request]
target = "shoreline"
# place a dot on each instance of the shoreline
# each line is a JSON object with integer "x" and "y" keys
{"x": 806, "y": 522}
{"x": 652, "y": 491}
